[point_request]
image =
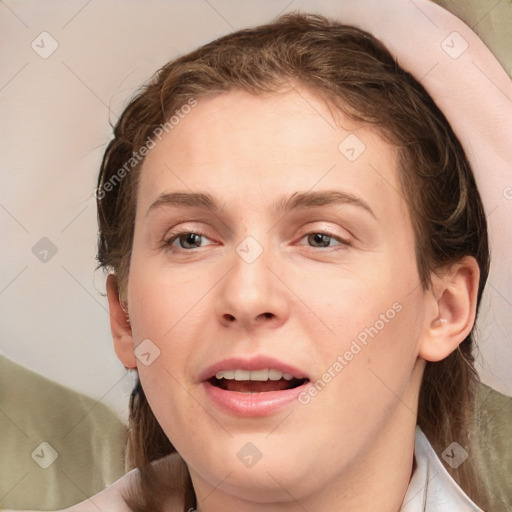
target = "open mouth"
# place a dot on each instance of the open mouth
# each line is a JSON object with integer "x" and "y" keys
{"x": 256, "y": 381}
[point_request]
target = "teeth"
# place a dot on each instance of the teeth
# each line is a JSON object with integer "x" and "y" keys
{"x": 242, "y": 375}
{"x": 227, "y": 374}
{"x": 275, "y": 374}
{"x": 261, "y": 375}
{"x": 258, "y": 375}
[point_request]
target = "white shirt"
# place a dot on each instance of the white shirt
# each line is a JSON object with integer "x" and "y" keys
{"x": 432, "y": 489}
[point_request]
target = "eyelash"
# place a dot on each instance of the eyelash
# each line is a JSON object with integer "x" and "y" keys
{"x": 173, "y": 236}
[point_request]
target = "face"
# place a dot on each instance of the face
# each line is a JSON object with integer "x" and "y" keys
{"x": 291, "y": 278}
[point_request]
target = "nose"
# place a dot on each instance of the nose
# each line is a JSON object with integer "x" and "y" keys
{"x": 251, "y": 295}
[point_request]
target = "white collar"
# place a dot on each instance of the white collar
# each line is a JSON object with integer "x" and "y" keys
{"x": 431, "y": 488}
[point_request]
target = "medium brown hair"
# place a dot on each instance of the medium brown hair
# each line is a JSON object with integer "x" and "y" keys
{"x": 356, "y": 75}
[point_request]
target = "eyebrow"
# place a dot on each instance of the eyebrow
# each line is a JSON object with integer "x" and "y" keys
{"x": 298, "y": 200}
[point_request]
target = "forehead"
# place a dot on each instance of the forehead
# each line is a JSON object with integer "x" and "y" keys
{"x": 249, "y": 149}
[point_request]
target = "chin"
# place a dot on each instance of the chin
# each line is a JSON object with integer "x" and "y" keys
{"x": 257, "y": 470}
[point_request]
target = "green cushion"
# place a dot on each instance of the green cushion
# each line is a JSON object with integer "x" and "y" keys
{"x": 87, "y": 436}
{"x": 489, "y": 450}
{"x": 491, "y": 20}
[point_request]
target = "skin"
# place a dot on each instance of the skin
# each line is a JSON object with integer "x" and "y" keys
{"x": 351, "y": 447}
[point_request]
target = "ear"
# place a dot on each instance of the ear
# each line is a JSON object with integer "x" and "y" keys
{"x": 453, "y": 299}
{"x": 120, "y": 325}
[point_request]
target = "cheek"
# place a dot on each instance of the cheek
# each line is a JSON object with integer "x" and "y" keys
{"x": 375, "y": 357}
{"x": 375, "y": 326}
{"x": 375, "y": 303}
{"x": 165, "y": 310}
{"x": 163, "y": 301}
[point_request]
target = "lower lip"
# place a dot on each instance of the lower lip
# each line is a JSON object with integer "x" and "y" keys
{"x": 252, "y": 404}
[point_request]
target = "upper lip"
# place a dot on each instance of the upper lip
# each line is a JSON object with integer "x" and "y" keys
{"x": 258, "y": 362}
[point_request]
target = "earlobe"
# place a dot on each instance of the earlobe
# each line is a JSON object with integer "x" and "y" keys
{"x": 455, "y": 296}
{"x": 120, "y": 325}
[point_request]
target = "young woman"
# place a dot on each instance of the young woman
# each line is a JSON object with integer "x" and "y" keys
{"x": 302, "y": 246}
{"x": 298, "y": 250}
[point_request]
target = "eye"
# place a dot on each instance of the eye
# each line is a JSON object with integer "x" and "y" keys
{"x": 324, "y": 239}
{"x": 186, "y": 240}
